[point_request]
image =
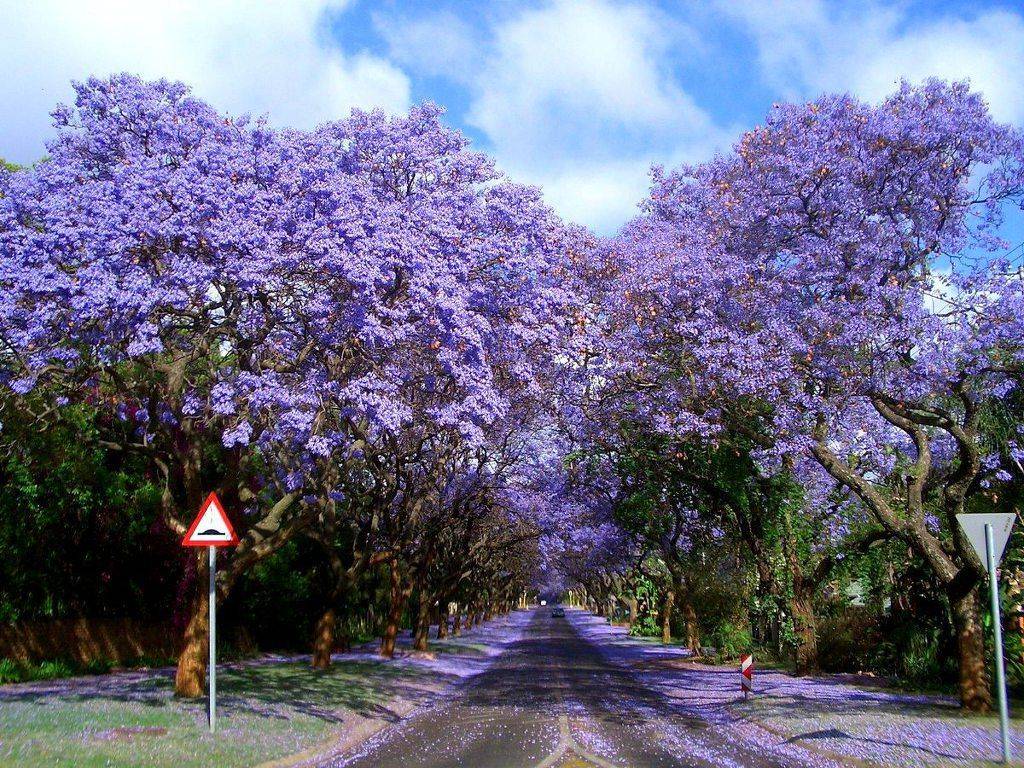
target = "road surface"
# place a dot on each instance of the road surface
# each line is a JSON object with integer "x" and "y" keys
{"x": 551, "y": 700}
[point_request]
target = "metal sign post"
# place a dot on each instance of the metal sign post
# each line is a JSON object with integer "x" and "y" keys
{"x": 213, "y": 638}
{"x": 1004, "y": 713}
{"x": 988, "y": 534}
{"x": 211, "y": 529}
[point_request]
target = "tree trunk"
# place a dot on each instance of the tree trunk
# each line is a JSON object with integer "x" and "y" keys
{"x": 457, "y": 625}
{"x": 805, "y": 648}
{"x": 190, "y": 678}
{"x": 398, "y": 597}
{"x": 975, "y": 695}
{"x": 801, "y": 602}
{"x": 323, "y": 639}
{"x": 442, "y": 623}
{"x": 631, "y": 602}
{"x": 666, "y": 616}
{"x": 422, "y": 622}
{"x": 691, "y": 626}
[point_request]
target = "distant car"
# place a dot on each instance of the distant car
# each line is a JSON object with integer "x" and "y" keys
{"x": 558, "y": 612}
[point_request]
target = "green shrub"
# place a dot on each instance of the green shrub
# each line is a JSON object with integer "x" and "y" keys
{"x": 97, "y": 667}
{"x": 48, "y": 670}
{"x": 917, "y": 656}
{"x": 645, "y": 626}
{"x": 91, "y": 512}
{"x": 1013, "y": 652}
{"x": 846, "y": 641}
{"x": 731, "y": 640}
{"x": 10, "y": 671}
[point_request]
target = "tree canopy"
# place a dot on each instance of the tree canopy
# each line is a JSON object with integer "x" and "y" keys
{"x": 801, "y": 354}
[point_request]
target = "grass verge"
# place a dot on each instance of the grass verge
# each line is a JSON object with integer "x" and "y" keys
{"x": 265, "y": 711}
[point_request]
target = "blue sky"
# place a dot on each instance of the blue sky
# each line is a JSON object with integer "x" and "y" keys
{"x": 578, "y": 96}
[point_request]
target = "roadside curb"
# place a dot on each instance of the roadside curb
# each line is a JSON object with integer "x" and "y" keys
{"x": 339, "y": 743}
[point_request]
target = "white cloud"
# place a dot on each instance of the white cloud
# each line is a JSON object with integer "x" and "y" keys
{"x": 559, "y": 77}
{"x": 809, "y": 46}
{"x": 604, "y": 193}
{"x": 439, "y": 44}
{"x": 265, "y": 57}
{"x": 576, "y": 96}
{"x": 601, "y": 194}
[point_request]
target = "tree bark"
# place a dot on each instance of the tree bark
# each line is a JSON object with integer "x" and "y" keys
{"x": 666, "y": 616}
{"x": 691, "y": 626}
{"x": 959, "y": 576}
{"x": 631, "y": 602}
{"x": 975, "y": 695}
{"x": 442, "y": 624}
{"x": 398, "y": 599}
{"x": 805, "y": 648}
{"x": 422, "y": 622}
{"x": 323, "y": 639}
{"x": 190, "y": 678}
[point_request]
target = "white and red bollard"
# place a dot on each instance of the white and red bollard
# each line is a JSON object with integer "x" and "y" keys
{"x": 747, "y": 674}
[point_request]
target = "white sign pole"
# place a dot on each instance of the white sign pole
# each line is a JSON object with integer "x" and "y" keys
{"x": 213, "y": 638}
{"x": 1004, "y": 715}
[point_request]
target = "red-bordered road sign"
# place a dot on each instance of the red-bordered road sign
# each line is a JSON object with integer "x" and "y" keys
{"x": 211, "y": 528}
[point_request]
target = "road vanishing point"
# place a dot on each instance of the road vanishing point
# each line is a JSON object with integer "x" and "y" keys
{"x": 552, "y": 700}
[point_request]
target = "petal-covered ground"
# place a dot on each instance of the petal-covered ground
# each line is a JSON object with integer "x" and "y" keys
{"x": 552, "y": 699}
{"x": 544, "y": 697}
{"x": 267, "y": 709}
{"x": 824, "y": 715}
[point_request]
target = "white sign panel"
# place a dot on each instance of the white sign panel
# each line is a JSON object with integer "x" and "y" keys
{"x": 973, "y": 526}
{"x": 211, "y": 528}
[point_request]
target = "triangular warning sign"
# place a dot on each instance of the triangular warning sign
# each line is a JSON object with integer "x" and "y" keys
{"x": 211, "y": 528}
{"x": 973, "y": 526}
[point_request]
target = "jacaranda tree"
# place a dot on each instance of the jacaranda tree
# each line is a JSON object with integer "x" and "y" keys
{"x": 827, "y": 289}
{"x": 253, "y": 302}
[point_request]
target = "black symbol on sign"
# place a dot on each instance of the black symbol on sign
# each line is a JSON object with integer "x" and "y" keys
{"x": 211, "y": 532}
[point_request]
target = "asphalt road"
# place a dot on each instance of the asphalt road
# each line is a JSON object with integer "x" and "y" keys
{"x": 552, "y": 701}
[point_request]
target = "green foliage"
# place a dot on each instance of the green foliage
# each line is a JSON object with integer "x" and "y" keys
{"x": 647, "y": 626}
{"x": 98, "y": 667}
{"x": 731, "y": 640}
{"x": 280, "y": 598}
{"x": 1013, "y": 651}
{"x": 915, "y": 656}
{"x": 10, "y": 672}
{"x": 48, "y": 670}
{"x": 74, "y": 520}
{"x": 646, "y": 594}
{"x": 14, "y": 672}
